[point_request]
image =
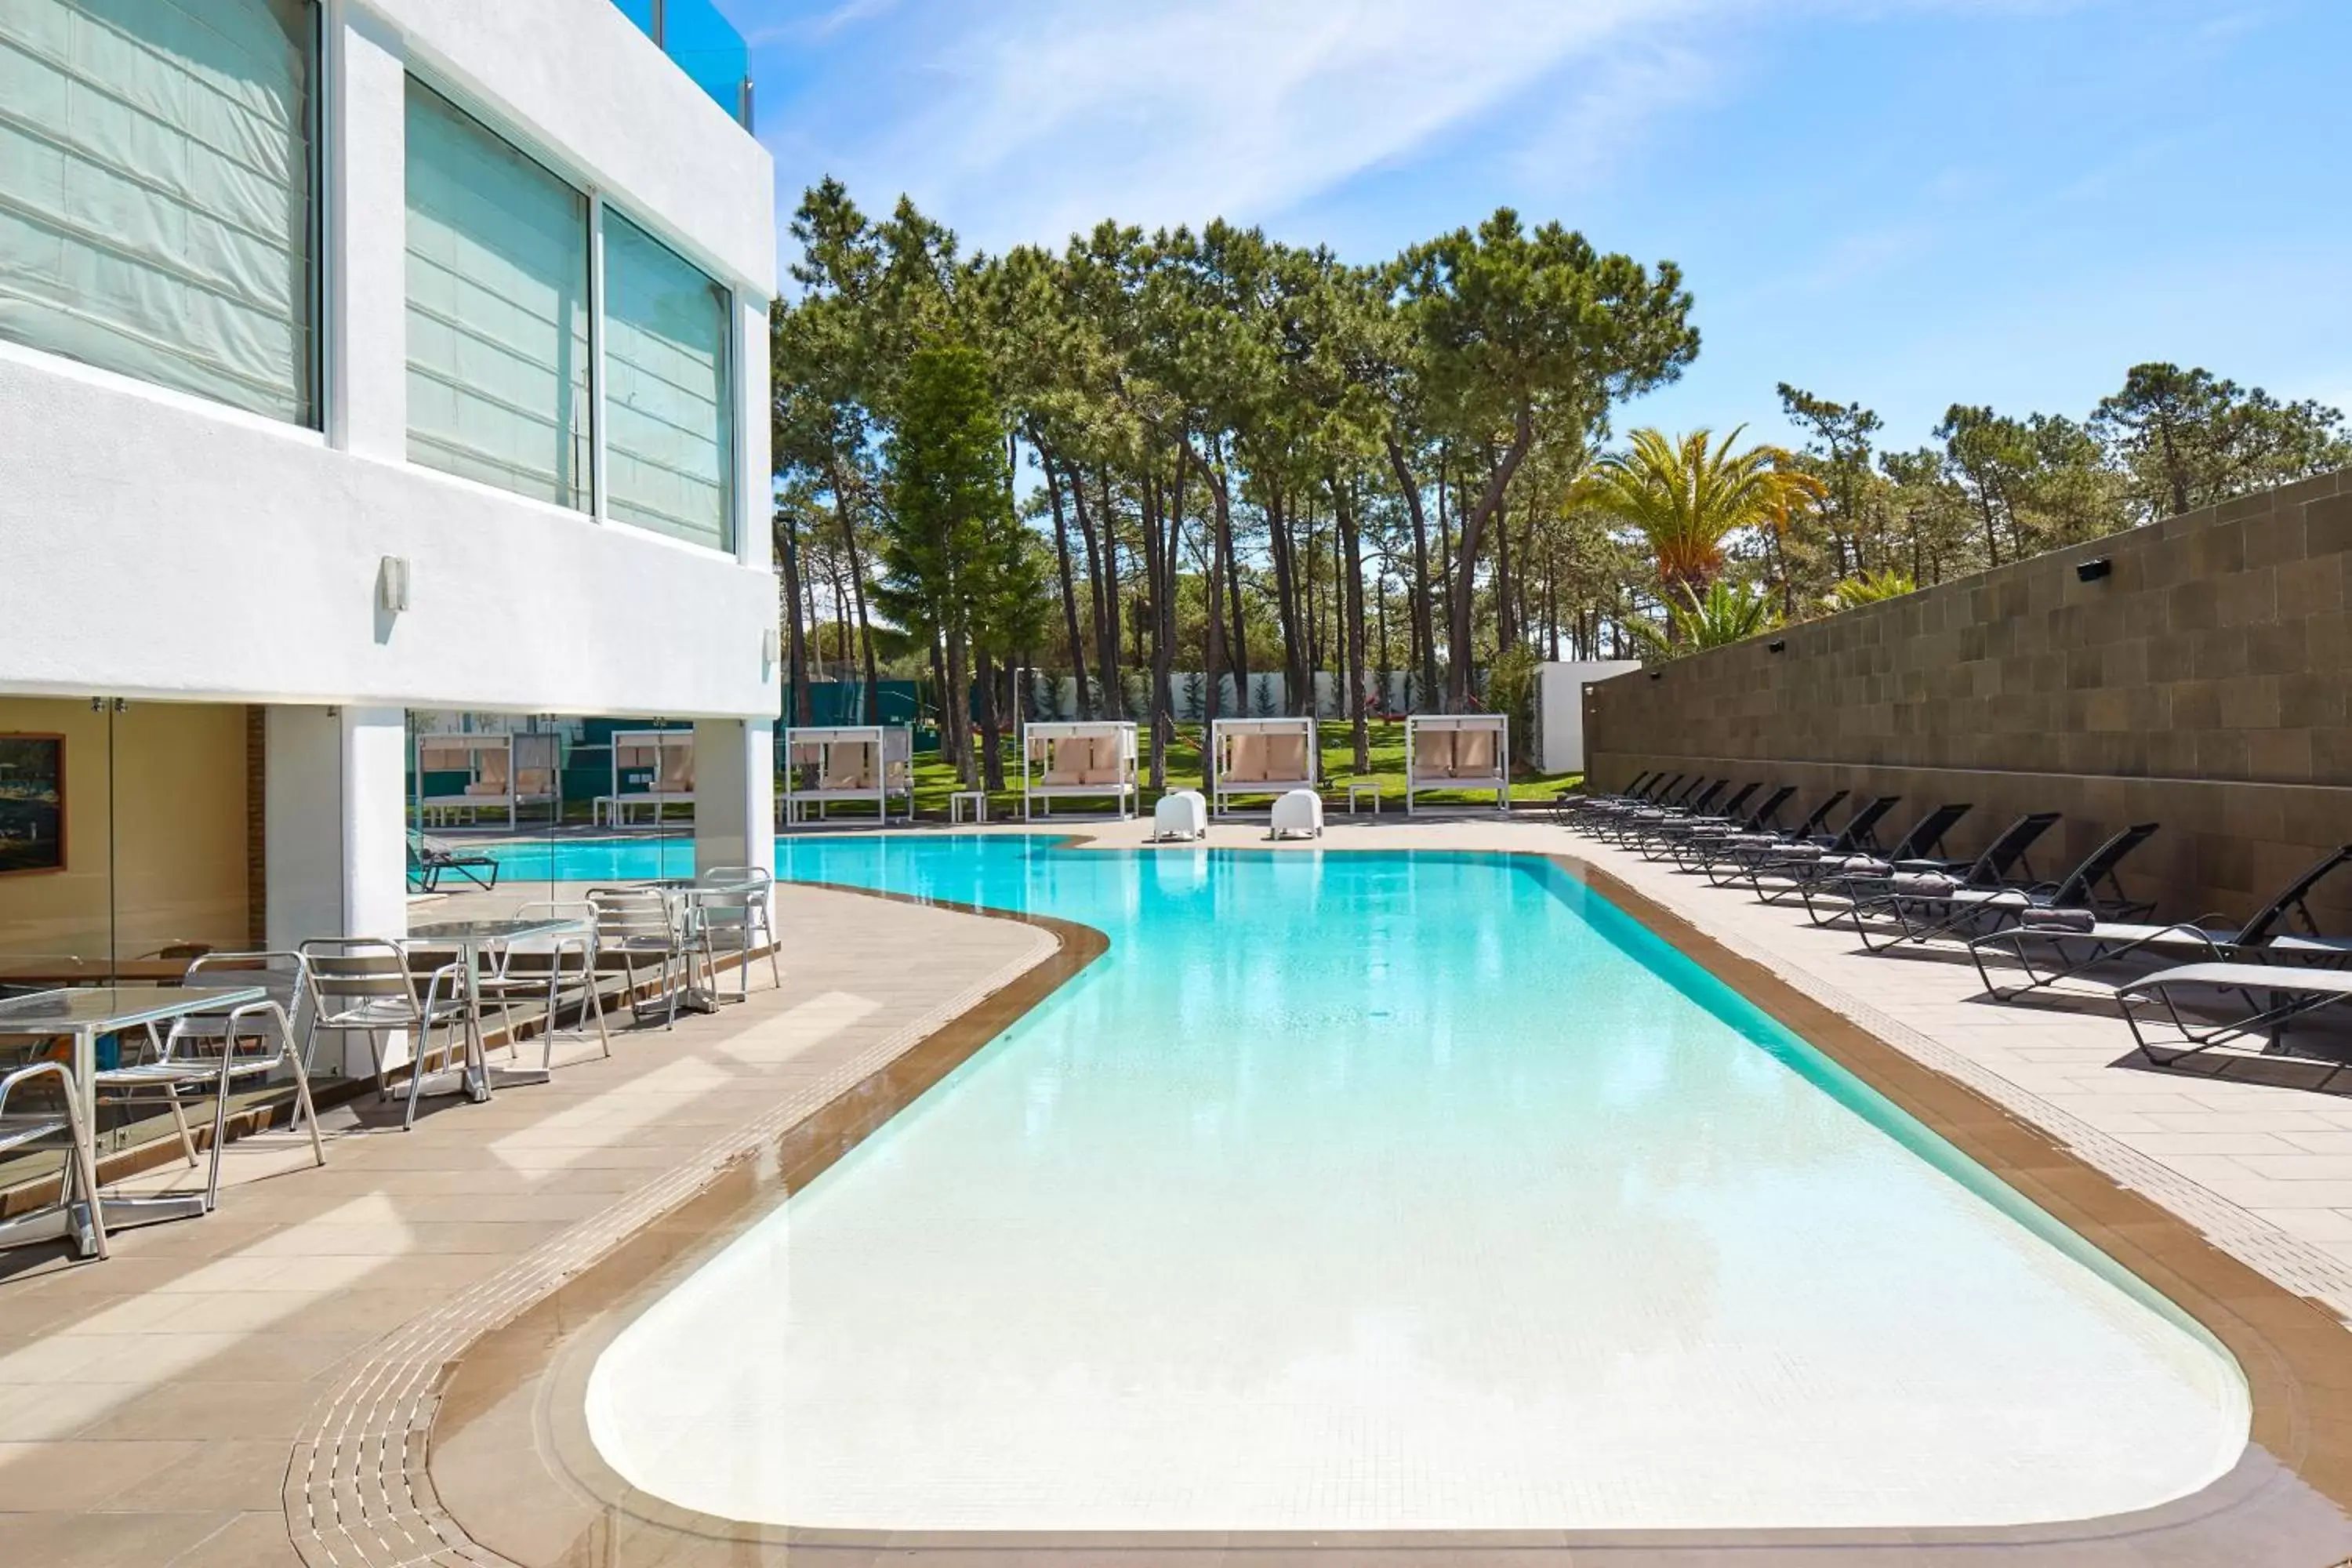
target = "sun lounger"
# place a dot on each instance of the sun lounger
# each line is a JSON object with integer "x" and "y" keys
{"x": 1677, "y": 790}
{"x": 1626, "y": 828}
{"x": 1576, "y": 798}
{"x": 1858, "y": 837}
{"x": 2276, "y": 994}
{"x": 1725, "y": 857}
{"x": 1658, "y": 839}
{"x": 1921, "y": 849}
{"x": 1925, "y": 906}
{"x": 2072, "y": 945}
{"x": 430, "y": 858}
{"x": 1686, "y": 839}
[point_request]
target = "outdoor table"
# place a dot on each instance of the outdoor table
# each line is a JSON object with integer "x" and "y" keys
{"x": 92, "y": 971}
{"x": 469, "y": 938}
{"x": 85, "y": 1014}
{"x": 977, "y": 799}
{"x": 1358, "y": 790}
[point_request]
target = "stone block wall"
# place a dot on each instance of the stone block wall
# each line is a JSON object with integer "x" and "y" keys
{"x": 2204, "y": 682}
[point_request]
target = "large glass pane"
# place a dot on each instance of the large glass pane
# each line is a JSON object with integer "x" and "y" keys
{"x": 131, "y": 844}
{"x": 669, "y": 401}
{"x": 155, "y": 192}
{"x": 498, "y": 309}
{"x": 709, "y": 51}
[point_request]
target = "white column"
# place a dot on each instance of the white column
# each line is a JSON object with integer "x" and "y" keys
{"x": 375, "y": 822}
{"x": 755, "y": 498}
{"x": 734, "y": 793}
{"x": 366, "y": 262}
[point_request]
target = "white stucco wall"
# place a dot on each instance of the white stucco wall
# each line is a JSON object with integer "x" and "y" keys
{"x": 1559, "y": 709}
{"x": 153, "y": 545}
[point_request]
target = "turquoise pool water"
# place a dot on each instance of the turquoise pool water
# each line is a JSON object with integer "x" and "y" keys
{"x": 1393, "y": 1190}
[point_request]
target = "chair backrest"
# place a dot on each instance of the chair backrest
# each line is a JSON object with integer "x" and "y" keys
{"x": 633, "y": 914}
{"x": 343, "y": 971}
{"x": 1926, "y": 836}
{"x": 1861, "y": 832}
{"x": 1820, "y": 817}
{"x": 1632, "y": 787}
{"x": 2005, "y": 854}
{"x": 1706, "y": 798}
{"x": 2081, "y": 889}
{"x": 1739, "y": 797}
{"x": 2294, "y": 899}
{"x": 285, "y": 976}
{"x": 1761, "y": 819}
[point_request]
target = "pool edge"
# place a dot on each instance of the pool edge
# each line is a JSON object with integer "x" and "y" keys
{"x": 2286, "y": 1502}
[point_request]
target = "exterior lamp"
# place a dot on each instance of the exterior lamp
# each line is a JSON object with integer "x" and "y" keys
{"x": 2093, "y": 569}
{"x": 1778, "y": 645}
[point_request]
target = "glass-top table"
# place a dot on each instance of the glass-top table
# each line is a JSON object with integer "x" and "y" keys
{"x": 83, "y": 1014}
{"x": 469, "y": 938}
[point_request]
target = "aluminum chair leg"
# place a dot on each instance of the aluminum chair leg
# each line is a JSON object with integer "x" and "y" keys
{"x": 82, "y": 1171}
{"x": 180, "y": 1124}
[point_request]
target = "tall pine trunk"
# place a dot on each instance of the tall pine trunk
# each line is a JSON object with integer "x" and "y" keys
{"x": 1069, "y": 590}
{"x": 1354, "y": 641}
{"x": 992, "y": 732}
{"x": 796, "y": 671}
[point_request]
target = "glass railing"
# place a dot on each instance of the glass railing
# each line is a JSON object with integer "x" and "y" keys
{"x": 706, "y": 46}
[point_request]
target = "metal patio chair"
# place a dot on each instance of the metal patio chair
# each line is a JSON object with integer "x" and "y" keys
{"x": 640, "y": 927}
{"x": 365, "y": 985}
{"x": 551, "y": 971}
{"x": 20, "y": 1129}
{"x": 208, "y": 1052}
{"x": 732, "y": 904}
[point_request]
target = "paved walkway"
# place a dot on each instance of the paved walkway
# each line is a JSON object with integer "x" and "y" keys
{"x": 151, "y": 1406}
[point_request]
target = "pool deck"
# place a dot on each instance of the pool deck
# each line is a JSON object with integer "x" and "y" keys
{"x": 377, "y": 1363}
{"x": 213, "y": 1394}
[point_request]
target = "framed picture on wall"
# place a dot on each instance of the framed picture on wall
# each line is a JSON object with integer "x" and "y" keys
{"x": 32, "y": 804}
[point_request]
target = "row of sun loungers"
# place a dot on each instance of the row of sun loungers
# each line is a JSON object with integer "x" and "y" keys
{"x": 2277, "y": 965}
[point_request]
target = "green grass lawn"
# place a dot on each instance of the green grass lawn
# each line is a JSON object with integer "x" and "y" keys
{"x": 934, "y": 782}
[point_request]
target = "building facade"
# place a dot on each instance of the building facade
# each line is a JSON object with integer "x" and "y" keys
{"x": 359, "y": 358}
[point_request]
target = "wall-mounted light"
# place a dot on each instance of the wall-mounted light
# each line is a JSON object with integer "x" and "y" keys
{"x": 2093, "y": 569}
{"x": 1778, "y": 645}
{"x": 771, "y": 649}
{"x": 1657, "y": 675}
{"x": 392, "y": 583}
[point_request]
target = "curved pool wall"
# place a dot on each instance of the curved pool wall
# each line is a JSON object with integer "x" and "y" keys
{"x": 1394, "y": 1190}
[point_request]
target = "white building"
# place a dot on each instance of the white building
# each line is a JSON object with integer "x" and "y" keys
{"x": 359, "y": 357}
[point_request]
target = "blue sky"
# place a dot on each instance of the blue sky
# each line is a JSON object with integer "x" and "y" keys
{"x": 1904, "y": 202}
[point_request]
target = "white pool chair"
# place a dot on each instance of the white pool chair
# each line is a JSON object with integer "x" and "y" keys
{"x": 1297, "y": 813}
{"x": 1182, "y": 816}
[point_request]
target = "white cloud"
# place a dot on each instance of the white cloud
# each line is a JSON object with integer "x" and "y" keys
{"x": 1034, "y": 120}
{"x": 1027, "y": 120}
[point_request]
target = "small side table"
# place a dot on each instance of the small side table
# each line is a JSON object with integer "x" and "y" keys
{"x": 1358, "y": 790}
{"x": 976, "y": 799}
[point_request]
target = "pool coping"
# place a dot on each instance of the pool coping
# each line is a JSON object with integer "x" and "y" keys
{"x": 2286, "y": 1501}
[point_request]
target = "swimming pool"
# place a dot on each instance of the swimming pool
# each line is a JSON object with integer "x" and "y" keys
{"x": 1394, "y": 1190}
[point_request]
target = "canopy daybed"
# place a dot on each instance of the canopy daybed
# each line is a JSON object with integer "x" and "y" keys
{"x": 1458, "y": 752}
{"x": 1090, "y": 759}
{"x": 1260, "y": 756}
{"x": 502, "y": 773}
{"x": 825, "y": 763}
{"x": 651, "y": 769}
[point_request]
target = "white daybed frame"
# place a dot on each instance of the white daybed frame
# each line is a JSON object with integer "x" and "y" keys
{"x": 1428, "y": 774}
{"x": 1042, "y": 781}
{"x": 892, "y": 746}
{"x": 501, "y": 789}
{"x": 1223, "y": 736}
{"x": 618, "y": 809}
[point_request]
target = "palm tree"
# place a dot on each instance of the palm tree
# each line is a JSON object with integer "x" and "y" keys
{"x": 1687, "y": 497}
{"x": 1721, "y": 615}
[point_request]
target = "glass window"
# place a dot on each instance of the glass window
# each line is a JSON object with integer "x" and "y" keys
{"x": 498, "y": 309}
{"x": 669, "y": 401}
{"x": 155, "y": 192}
